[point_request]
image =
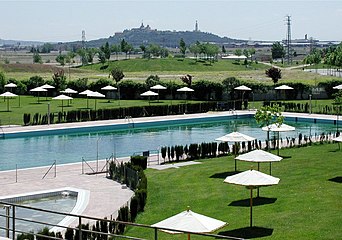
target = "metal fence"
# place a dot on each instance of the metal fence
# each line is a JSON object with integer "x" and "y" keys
{"x": 11, "y": 218}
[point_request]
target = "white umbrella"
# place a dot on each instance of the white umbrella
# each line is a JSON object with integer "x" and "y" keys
{"x": 38, "y": 90}
{"x": 86, "y": 92}
{"x": 149, "y": 94}
{"x": 252, "y": 179}
{"x": 235, "y": 137}
{"x": 10, "y": 85}
{"x": 62, "y": 97}
{"x": 242, "y": 88}
{"x": 185, "y": 89}
{"x": 338, "y": 87}
{"x": 8, "y": 95}
{"x": 95, "y": 95}
{"x": 108, "y": 88}
{"x": 69, "y": 91}
{"x": 158, "y": 87}
{"x": 189, "y": 221}
{"x": 47, "y": 87}
{"x": 275, "y": 127}
{"x": 284, "y": 87}
{"x": 338, "y": 139}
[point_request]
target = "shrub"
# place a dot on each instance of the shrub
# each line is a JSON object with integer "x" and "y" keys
{"x": 140, "y": 161}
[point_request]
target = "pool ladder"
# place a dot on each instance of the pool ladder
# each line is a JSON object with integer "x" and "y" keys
{"x": 130, "y": 121}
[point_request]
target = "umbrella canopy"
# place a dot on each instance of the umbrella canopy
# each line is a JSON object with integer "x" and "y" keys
{"x": 47, "y": 86}
{"x": 235, "y": 137}
{"x": 275, "y": 127}
{"x": 158, "y": 87}
{"x": 252, "y": 179}
{"x": 86, "y": 92}
{"x": 243, "y": 88}
{"x": 96, "y": 94}
{"x": 8, "y": 95}
{"x": 38, "y": 89}
{"x": 259, "y": 156}
{"x": 109, "y": 88}
{"x": 190, "y": 221}
{"x": 149, "y": 94}
{"x": 10, "y": 85}
{"x": 62, "y": 97}
{"x": 185, "y": 89}
{"x": 338, "y": 87}
{"x": 69, "y": 90}
{"x": 284, "y": 87}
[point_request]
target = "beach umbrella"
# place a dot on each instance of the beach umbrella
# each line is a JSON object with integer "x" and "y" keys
{"x": 149, "y": 94}
{"x": 275, "y": 127}
{"x": 47, "y": 87}
{"x": 191, "y": 222}
{"x": 86, "y": 92}
{"x": 338, "y": 139}
{"x": 259, "y": 156}
{"x": 69, "y": 91}
{"x": 158, "y": 87}
{"x": 283, "y": 88}
{"x": 62, "y": 97}
{"x": 252, "y": 179}
{"x": 185, "y": 90}
{"x": 235, "y": 137}
{"x": 8, "y": 95}
{"x": 242, "y": 88}
{"x": 38, "y": 90}
{"x": 10, "y": 85}
{"x": 109, "y": 88}
{"x": 95, "y": 95}
{"x": 338, "y": 87}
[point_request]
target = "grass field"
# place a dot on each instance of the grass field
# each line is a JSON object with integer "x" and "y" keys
{"x": 306, "y": 204}
{"x": 166, "y": 69}
{"x": 30, "y": 104}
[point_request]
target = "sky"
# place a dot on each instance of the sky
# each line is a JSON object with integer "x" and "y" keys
{"x": 64, "y": 20}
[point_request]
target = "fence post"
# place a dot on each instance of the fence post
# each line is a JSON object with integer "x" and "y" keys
{"x": 7, "y": 209}
{"x": 55, "y": 168}
{"x": 16, "y": 173}
{"x": 80, "y": 228}
{"x": 13, "y": 222}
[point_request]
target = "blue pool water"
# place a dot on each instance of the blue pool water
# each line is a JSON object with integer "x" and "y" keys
{"x": 70, "y": 148}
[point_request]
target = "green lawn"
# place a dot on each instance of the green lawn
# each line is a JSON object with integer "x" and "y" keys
{"x": 30, "y": 104}
{"x": 305, "y": 205}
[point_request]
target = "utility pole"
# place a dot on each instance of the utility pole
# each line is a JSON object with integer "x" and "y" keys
{"x": 288, "y": 40}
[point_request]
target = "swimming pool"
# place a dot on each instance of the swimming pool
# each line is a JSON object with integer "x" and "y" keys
{"x": 37, "y": 151}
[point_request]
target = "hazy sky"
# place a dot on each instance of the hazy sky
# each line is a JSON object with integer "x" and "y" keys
{"x": 64, "y": 20}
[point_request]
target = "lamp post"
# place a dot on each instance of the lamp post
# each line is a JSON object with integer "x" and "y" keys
{"x": 97, "y": 153}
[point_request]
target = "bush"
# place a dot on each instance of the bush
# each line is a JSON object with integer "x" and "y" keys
{"x": 140, "y": 161}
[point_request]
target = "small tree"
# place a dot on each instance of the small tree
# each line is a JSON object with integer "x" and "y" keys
{"x": 117, "y": 75}
{"x": 182, "y": 47}
{"x": 273, "y": 73}
{"x": 268, "y": 115}
{"x": 37, "y": 58}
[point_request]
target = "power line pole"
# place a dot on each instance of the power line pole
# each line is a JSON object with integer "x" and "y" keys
{"x": 288, "y": 40}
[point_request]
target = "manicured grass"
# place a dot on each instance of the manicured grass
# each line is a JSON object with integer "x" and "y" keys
{"x": 30, "y": 104}
{"x": 306, "y": 204}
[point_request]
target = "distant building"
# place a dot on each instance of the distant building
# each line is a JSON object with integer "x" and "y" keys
{"x": 196, "y": 27}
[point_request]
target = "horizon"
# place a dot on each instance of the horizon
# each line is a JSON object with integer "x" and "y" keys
{"x": 63, "y": 21}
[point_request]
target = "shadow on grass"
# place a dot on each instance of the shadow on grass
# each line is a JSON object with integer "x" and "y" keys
{"x": 257, "y": 201}
{"x": 223, "y": 175}
{"x": 336, "y": 179}
{"x": 248, "y": 232}
{"x": 285, "y": 157}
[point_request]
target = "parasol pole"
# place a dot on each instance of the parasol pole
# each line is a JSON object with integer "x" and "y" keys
{"x": 251, "y": 208}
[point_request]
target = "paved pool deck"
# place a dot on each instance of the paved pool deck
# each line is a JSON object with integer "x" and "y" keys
{"x": 106, "y": 196}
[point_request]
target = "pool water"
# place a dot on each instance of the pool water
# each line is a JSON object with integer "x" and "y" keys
{"x": 70, "y": 148}
{"x": 58, "y": 203}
